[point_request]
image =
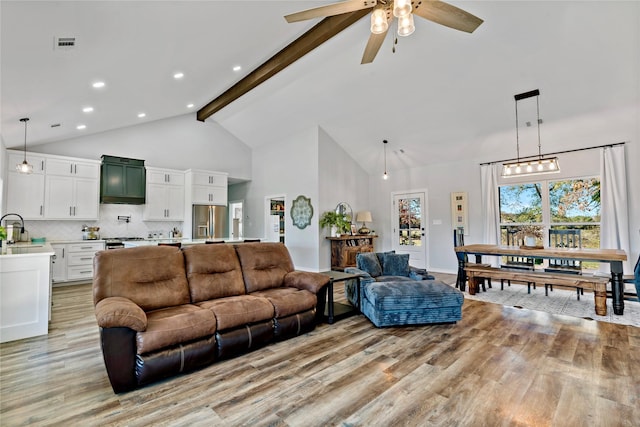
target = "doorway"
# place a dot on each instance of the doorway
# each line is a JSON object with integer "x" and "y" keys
{"x": 235, "y": 219}
{"x": 274, "y": 221}
{"x": 409, "y": 221}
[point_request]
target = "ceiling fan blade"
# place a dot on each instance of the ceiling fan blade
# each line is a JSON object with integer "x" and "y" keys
{"x": 373, "y": 46}
{"x": 330, "y": 10}
{"x": 446, "y": 14}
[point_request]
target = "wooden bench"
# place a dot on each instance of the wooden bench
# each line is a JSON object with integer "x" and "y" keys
{"x": 598, "y": 285}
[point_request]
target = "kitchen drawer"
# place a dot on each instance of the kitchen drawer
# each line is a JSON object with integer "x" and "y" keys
{"x": 80, "y": 272}
{"x": 80, "y": 258}
{"x": 81, "y": 247}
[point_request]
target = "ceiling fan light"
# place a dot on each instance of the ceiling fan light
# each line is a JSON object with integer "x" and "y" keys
{"x": 379, "y": 22}
{"x": 401, "y": 8}
{"x": 405, "y": 25}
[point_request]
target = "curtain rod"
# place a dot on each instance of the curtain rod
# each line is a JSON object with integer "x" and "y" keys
{"x": 553, "y": 154}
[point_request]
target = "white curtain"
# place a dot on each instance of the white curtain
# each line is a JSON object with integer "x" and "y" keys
{"x": 614, "y": 221}
{"x": 490, "y": 213}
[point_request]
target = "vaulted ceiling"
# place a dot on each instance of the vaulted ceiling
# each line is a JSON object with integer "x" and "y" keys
{"x": 433, "y": 99}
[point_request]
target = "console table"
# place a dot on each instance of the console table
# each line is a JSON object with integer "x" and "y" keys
{"x": 614, "y": 257}
{"x": 345, "y": 248}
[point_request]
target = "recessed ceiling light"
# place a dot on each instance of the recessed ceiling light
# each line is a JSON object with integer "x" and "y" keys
{"x": 87, "y": 109}
{"x": 178, "y": 75}
{"x": 237, "y": 68}
{"x": 81, "y": 127}
{"x": 189, "y": 105}
{"x": 141, "y": 115}
{"x": 98, "y": 85}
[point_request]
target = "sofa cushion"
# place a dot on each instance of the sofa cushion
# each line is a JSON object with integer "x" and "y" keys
{"x": 396, "y": 265}
{"x": 241, "y": 310}
{"x": 287, "y": 301}
{"x": 264, "y": 265}
{"x": 213, "y": 272}
{"x": 369, "y": 263}
{"x": 175, "y": 325}
{"x": 152, "y": 277}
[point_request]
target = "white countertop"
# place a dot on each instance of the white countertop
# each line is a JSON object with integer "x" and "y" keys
{"x": 26, "y": 249}
{"x": 184, "y": 240}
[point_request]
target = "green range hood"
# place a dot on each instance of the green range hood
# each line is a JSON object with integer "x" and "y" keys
{"x": 122, "y": 181}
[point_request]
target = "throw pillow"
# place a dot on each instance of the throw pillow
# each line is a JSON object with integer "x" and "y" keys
{"x": 381, "y": 256}
{"x": 368, "y": 262}
{"x": 396, "y": 265}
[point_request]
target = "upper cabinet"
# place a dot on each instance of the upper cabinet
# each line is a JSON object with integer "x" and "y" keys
{"x": 25, "y": 194}
{"x": 207, "y": 188}
{"x": 165, "y": 195}
{"x": 71, "y": 189}
{"x": 59, "y": 187}
{"x": 73, "y": 168}
{"x": 122, "y": 180}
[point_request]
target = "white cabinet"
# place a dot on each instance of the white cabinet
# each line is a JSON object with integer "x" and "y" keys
{"x": 25, "y": 192}
{"x": 73, "y": 167}
{"x": 59, "y": 187}
{"x": 58, "y": 263}
{"x": 208, "y": 188}
{"x": 164, "y": 176}
{"x": 71, "y": 198}
{"x": 25, "y": 195}
{"x": 38, "y": 161}
{"x": 74, "y": 261}
{"x": 164, "y": 195}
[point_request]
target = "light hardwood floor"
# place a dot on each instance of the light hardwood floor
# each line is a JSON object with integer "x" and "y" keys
{"x": 498, "y": 366}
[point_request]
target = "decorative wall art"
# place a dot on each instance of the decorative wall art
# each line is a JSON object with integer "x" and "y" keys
{"x": 301, "y": 212}
{"x": 459, "y": 211}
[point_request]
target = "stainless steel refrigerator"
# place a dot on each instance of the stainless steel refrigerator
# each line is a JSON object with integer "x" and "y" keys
{"x": 209, "y": 222}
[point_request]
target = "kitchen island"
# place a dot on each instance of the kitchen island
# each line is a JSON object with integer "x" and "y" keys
{"x": 184, "y": 241}
{"x": 25, "y": 290}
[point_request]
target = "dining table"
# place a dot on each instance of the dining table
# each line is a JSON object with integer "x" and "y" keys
{"x": 614, "y": 257}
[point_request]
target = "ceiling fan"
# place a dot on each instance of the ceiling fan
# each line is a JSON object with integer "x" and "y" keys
{"x": 383, "y": 12}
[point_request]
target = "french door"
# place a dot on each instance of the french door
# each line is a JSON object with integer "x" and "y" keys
{"x": 409, "y": 225}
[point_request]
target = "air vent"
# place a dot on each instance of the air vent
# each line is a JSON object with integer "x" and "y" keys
{"x": 64, "y": 43}
{"x": 56, "y": 125}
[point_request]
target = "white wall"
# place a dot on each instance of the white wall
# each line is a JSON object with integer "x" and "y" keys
{"x": 178, "y": 143}
{"x": 609, "y": 127}
{"x": 289, "y": 168}
{"x": 341, "y": 179}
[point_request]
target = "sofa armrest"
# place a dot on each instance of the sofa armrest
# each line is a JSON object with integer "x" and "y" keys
{"x": 115, "y": 312}
{"x": 312, "y": 282}
{"x": 365, "y": 278}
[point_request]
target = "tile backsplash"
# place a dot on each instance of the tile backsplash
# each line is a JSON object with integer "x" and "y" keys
{"x": 109, "y": 225}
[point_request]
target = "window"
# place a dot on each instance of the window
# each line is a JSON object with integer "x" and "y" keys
{"x": 554, "y": 205}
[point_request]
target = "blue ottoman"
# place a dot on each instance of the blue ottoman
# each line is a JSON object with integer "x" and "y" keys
{"x": 411, "y": 303}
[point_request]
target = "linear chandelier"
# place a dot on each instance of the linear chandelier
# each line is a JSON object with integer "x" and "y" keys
{"x": 530, "y": 165}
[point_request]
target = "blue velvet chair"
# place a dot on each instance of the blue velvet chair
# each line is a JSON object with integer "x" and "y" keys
{"x": 393, "y": 293}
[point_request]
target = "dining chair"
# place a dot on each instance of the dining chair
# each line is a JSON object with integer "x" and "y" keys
{"x": 570, "y": 238}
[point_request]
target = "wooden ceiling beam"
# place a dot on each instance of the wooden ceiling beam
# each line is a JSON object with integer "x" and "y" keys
{"x": 304, "y": 44}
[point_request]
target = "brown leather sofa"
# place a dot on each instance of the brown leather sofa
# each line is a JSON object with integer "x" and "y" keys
{"x": 165, "y": 310}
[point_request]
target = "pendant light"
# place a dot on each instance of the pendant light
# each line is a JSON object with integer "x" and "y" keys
{"x": 385, "y": 175}
{"x": 24, "y": 167}
{"x": 532, "y": 165}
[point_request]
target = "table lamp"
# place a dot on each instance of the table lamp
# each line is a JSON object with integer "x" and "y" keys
{"x": 364, "y": 217}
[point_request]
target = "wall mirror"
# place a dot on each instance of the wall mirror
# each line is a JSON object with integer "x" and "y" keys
{"x": 343, "y": 208}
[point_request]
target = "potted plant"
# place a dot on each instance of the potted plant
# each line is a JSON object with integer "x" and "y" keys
{"x": 3, "y": 235}
{"x": 336, "y": 222}
{"x": 530, "y": 234}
